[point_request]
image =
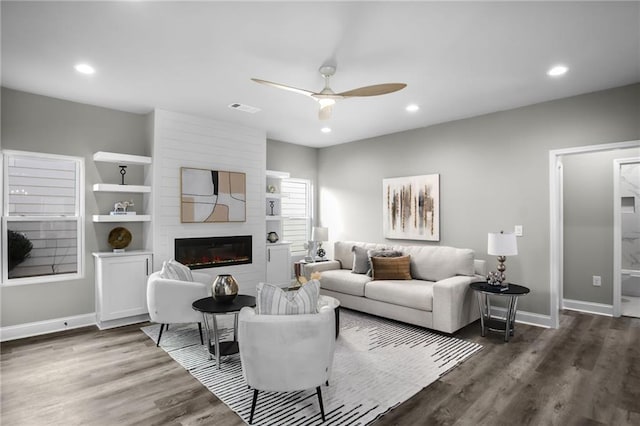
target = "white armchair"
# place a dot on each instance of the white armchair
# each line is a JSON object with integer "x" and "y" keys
{"x": 286, "y": 353}
{"x": 169, "y": 301}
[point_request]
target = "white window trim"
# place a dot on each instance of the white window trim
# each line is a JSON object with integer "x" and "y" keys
{"x": 80, "y": 217}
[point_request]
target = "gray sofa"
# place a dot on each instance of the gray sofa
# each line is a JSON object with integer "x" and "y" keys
{"x": 437, "y": 297}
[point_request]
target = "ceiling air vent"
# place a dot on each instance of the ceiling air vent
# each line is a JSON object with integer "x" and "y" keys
{"x": 245, "y": 108}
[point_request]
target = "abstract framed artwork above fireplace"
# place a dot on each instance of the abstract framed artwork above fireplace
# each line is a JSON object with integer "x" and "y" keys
{"x": 213, "y": 252}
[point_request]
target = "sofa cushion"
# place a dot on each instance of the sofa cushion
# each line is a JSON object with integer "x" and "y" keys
{"x": 360, "y": 260}
{"x": 174, "y": 270}
{"x": 343, "y": 281}
{"x": 391, "y": 268}
{"x": 385, "y": 252}
{"x": 417, "y": 294}
{"x": 342, "y": 251}
{"x": 435, "y": 263}
{"x": 272, "y": 300}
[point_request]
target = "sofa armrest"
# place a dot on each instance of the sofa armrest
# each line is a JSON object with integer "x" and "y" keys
{"x": 454, "y": 303}
{"x": 310, "y": 268}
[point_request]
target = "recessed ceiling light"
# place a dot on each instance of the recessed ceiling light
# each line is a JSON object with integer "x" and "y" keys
{"x": 85, "y": 69}
{"x": 326, "y": 130}
{"x": 557, "y": 71}
{"x": 412, "y": 108}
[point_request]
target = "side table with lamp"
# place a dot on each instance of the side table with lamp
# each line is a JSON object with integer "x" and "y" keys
{"x": 499, "y": 244}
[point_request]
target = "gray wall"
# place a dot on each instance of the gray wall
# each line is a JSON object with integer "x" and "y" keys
{"x": 42, "y": 124}
{"x": 300, "y": 161}
{"x": 588, "y": 220}
{"x": 493, "y": 175}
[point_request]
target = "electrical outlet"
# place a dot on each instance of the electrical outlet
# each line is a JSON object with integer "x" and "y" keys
{"x": 518, "y": 230}
{"x": 597, "y": 280}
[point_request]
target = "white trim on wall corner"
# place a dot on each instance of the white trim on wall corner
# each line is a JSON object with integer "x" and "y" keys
{"x": 21, "y": 331}
{"x": 524, "y": 317}
{"x": 589, "y": 307}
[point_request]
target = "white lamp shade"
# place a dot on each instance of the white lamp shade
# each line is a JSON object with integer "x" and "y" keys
{"x": 502, "y": 244}
{"x": 319, "y": 234}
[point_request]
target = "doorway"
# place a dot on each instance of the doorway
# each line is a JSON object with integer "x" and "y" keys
{"x": 556, "y": 247}
{"x": 626, "y": 207}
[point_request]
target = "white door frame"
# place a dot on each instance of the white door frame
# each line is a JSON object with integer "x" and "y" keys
{"x": 617, "y": 233}
{"x": 555, "y": 216}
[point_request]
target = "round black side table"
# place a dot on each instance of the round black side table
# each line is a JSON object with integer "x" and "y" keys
{"x": 209, "y": 306}
{"x": 483, "y": 291}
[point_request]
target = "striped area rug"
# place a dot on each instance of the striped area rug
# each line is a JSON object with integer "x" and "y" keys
{"x": 378, "y": 364}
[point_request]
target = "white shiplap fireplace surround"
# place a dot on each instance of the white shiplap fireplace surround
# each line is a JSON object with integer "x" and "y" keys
{"x": 181, "y": 140}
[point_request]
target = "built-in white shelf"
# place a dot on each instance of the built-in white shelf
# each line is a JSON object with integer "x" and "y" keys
{"x": 273, "y": 195}
{"x": 273, "y": 218}
{"x": 124, "y": 159}
{"x": 277, "y": 175}
{"x": 121, "y": 218}
{"x": 111, "y": 187}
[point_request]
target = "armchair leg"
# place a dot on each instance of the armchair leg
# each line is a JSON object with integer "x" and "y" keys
{"x": 320, "y": 401}
{"x": 253, "y": 405}
{"x": 200, "y": 330}
{"x": 160, "y": 334}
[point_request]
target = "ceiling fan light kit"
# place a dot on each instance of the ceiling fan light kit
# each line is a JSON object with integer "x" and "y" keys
{"x": 327, "y": 97}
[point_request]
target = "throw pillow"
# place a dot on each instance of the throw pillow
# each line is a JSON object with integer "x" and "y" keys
{"x": 173, "y": 270}
{"x": 360, "y": 260}
{"x": 391, "y": 268}
{"x": 381, "y": 253}
{"x": 273, "y": 300}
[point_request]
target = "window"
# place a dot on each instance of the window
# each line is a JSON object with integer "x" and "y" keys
{"x": 296, "y": 211}
{"x": 42, "y": 217}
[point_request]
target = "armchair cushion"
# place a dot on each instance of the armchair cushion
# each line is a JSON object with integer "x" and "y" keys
{"x": 273, "y": 300}
{"x": 174, "y": 270}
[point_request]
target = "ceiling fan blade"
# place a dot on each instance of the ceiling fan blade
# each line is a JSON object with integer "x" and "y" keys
{"x": 282, "y": 86}
{"x": 325, "y": 112}
{"x": 375, "y": 90}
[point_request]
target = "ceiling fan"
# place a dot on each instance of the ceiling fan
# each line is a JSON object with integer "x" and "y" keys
{"x": 327, "y": 97}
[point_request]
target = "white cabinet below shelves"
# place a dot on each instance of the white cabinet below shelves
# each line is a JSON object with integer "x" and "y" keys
{"x": 279, "y": 264}
{"x": 121, "y": 287}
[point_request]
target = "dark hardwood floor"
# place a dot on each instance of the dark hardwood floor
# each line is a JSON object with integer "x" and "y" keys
{"x": 585, "y": 373}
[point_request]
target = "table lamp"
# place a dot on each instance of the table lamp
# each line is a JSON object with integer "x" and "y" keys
{"x": 501, "y": 244}
{"x": 318, "y": 235}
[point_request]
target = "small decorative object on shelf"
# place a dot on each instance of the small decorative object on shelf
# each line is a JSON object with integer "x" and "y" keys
{"x": 225, "y": 288}
{"x": 121, "y": 208}
{"x": 272, "y": 237}
{"x": 123, "y": 171}
{"x": 119, "y": 239}
{"x": 272, "y": 205}
{"x": 271, "y": 189}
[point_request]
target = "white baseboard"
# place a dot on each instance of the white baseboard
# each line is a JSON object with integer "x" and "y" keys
{"x": 20, "y": 331}
{"x": 590, "y": 307}
{"x": 524, "y": 317}
{"x": 104, "y": 325}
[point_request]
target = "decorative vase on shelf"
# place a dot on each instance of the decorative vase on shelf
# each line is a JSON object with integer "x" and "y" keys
{"x": 272, "y": 237}
{"x": 224, "y": 288}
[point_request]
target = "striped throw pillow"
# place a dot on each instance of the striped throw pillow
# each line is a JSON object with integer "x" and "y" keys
{"x": 273, "y": 300}
{"x": 173, "y": 270}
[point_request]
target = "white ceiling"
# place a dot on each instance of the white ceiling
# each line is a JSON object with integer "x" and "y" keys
{"x": 458, "y": 59}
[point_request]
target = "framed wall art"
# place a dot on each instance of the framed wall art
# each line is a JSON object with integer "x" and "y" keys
{"x": 212, "y": 196}
{"x": 411, "y": 207}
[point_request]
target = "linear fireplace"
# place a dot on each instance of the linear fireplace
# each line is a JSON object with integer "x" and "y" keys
{"x": 212, "y": 252}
